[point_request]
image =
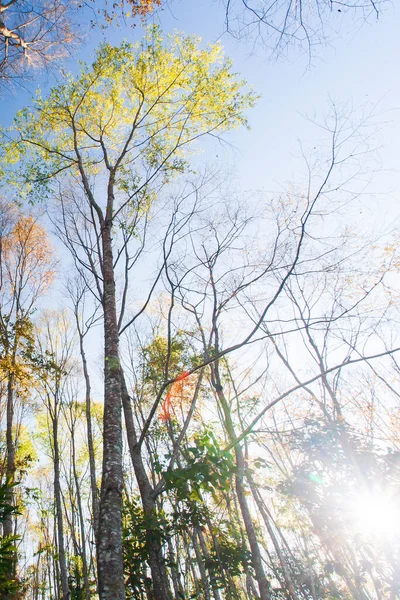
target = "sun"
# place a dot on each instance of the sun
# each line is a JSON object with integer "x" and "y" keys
{"x": 376, "y": 513}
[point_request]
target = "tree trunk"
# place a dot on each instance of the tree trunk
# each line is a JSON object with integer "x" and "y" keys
{"x": 81, "y": 519}
{"x": 289, "y": 586}
{"x": 157, "y": 566}
{"x": 8, "y": 524}
{"x": 202, "y": 569}
{"x": 66, "y": 594}
{"x": 249, "y": 526}
{"x": 9, "y": 520}
{"x": 175, "y": 574}
{"x": 109, "y": 547}
{"x": 204, "y": 549}
{"x": 256, "y": 560}
{"x": 92, "y": 462}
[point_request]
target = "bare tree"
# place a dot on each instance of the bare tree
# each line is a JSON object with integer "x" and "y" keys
{"x": 34, "y": 35}
{"x": 279, "y": 25}
{"x": 56, "y": 340}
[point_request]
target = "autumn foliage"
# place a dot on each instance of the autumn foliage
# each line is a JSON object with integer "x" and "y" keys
{"x": 131, "y": 8}
{"x": 175, "y": 392}
{"x": 27, "y": 250}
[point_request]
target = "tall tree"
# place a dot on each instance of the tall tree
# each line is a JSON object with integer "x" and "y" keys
{"x": 26, "y": 270}
{"x": 118, "y": 128}
{"x": 56, "y": 339}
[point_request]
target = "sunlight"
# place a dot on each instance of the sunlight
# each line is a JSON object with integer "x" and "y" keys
{"x": 376, "y": 513}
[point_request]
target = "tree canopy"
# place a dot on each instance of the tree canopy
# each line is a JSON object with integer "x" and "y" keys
{"x": 198, "y": 376}
{"x": 132, "y": 113}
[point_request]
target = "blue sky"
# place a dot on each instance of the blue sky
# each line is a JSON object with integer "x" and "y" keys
{"x": 359, "y": 68}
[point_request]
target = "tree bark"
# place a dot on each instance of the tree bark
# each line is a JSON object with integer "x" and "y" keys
{"x": 202, "y": 569}
{"x": 109, "y": 547}
{"x": 204, "y": 549}
{"x": 9, "y": 520}
{"x": 8, "y": 524}
{"x": 175, "y": 574}
{"x": 256, "y": 560}
{"x": 89, "y": 432}
{"x": 157, "y": 566}
{"x": 85, "y": 569}
{"x": 289, "y": 586}
{"x": 66, "y": 594}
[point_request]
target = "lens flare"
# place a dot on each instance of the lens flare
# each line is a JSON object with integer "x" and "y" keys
{"x": 376, "y": 513}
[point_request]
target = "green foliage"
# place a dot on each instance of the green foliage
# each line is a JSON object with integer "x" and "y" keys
{"x": 75, "y": 580}
{"x": 7, "y": 545}
{"x": 333, "y": 459}
{"x": 136, "y": 109}
{"x": 138, "y": 530}
{"x": 17, "y": 350}
{"x": 227, "y": 555}
{"x": 19, "y": 355}
{"x": 25, "y": 452}
{"x": 156, "y": 354}
{"x": 210, "y": 469}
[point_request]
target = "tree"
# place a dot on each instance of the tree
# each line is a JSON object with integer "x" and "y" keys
{"x": 8, "y": 583}
{"x": 214, "y": 283}
{"x": 132, "y": 8}
{"x": 116, "y": 130}
{"x": 55, "y": 340}
{"x": 279, "y": 25}
{"x": 38, "y": 35}
{"x": 78, "y": 290}
{"x": 26, "y": 271}
{"x": 33, "y": 35}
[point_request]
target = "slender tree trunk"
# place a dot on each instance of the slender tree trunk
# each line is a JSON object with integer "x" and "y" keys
{"x": 157, "y": 566}
{"x": 230, "y": 589}
{"x": 175, "y": 574}
{"x": 9, "y": 520}
{"x": 249, "y": 526}
{"x": 81, "y": 519}
{"x": 89, "y": 431}
{"x": 190, "y": 567}
{"x": 202, "y": 569}
{"x": 256, "y": 560}
{"x": 289, "y": 586}
{"x": 109, "y": 547}
{"x": 53, "y": 562}
{"x": 206, "y": 553}
{"x": 66, "y": 594}
{"x": 8, "y": 525}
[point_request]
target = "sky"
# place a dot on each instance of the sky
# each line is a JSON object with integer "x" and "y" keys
{"x": 359, "y": 69}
